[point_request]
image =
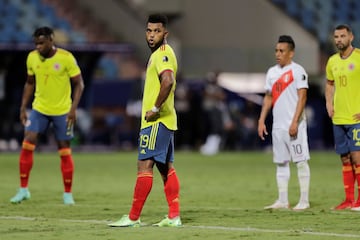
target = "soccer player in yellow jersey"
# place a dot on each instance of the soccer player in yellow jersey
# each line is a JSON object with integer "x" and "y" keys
{"x": 159, "y": 121}
{"x": 343, "y": 107}
{"x": 51, "y": 72}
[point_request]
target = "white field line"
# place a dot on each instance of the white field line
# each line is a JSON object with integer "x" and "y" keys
{"x": 250, "y": 229}
{"x": 247, "y": 229}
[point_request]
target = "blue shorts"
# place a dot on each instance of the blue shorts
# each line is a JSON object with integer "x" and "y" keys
{"x": 39, "y": 123}
{"x": 156, "y": 142}
{"x": 347, "y": 138}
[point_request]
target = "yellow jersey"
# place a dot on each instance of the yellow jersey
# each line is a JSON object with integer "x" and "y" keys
{"x": 161, "y": 60}
{"x": 345, "y": 73}
{"x": 52, "y": 81}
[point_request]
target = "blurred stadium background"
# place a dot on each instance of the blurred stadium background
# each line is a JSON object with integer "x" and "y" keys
{"x": 234, "y": 37}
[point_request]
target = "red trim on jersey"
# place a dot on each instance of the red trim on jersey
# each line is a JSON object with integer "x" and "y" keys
{"x": 166, "y": 70}
{"x": 331, "y": 82}
{"x": 280, "y": 85}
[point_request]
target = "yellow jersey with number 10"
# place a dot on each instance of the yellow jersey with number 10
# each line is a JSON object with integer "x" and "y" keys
{"x": 345, "y": 73}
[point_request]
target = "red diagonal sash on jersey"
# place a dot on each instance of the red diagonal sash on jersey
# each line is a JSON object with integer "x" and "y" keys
{"x": 280, "y": 85}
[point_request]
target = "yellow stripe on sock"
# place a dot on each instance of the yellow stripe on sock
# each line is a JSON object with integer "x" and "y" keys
{"x": 171, "y": 172}
{"x": 347, "y": 168}
{"x": 64, "y": 151}
{"x": 357, "y": 170}
{"x": 28, "y": 146}
{"x": 145, "y": 174}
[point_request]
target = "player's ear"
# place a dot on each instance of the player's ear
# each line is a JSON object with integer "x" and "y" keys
{"x": 292, "y": 53}
{"x": 351, "y": 37}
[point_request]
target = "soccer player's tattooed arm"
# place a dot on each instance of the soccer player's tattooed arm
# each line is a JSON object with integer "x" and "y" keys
{"x": 329, "y": 97}
{"x": 167, "y": 80}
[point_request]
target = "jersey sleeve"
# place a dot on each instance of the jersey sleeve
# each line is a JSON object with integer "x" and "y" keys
{"x": 165, "y": 61}
{"x": 329, "y": 74}
{"x": 268, "y": 86}
{"x": 72, "y": 66}
{"x": 29, "y": 64}
{"x": 301, "y": 78}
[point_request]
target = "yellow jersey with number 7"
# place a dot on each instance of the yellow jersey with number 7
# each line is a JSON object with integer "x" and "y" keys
{"x": 52, "y": 81}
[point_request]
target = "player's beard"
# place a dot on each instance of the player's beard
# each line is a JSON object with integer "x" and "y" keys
{"x": 342, "y": 47}
{"x": 156, "y": 46}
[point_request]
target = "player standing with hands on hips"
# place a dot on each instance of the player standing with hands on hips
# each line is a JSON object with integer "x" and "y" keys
{"x": 286, "y": 93}
{"x": 158, "y": 123}
{"x": 342, "y": 93}
{"x": 51, "y": 74}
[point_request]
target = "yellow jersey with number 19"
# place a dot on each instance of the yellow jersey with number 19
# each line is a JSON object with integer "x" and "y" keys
{"x": 163, "y": 59}
{"x": 52, "y": 81}
{"x": 345, "y": 73}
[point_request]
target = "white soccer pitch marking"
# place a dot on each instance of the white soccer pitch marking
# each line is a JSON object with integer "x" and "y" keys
{"x": 239, "y": 229}
{"x": 250, "y": 229}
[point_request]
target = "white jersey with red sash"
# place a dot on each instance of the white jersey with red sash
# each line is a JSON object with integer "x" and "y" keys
{"x": 283, "y": 83}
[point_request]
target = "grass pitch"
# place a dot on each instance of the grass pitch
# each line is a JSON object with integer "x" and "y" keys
{"x": 222, "y": 197}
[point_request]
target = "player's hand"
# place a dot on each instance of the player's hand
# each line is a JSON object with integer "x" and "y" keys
{"x": 293, "y": 130}
{"x": 262, "y": 130}
{"x": 70, "y": 119}
{"x": 330, "y": 110}
{"x": 23, "y": 116}
{"x": 356, "y": 117}
{"x": 71, "y": 116}
{"x": 151, "y": 116}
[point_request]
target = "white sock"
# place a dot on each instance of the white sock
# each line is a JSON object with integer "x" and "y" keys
{"x": 282, "y": 178}
{"x": 304, "y": 180}
{"x": 212, "y": 145}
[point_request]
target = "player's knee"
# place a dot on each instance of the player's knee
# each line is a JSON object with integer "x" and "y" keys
{"x": 303, "y": 168}
{"x": 283, "y": 170}
{"x": 302, "y": 164}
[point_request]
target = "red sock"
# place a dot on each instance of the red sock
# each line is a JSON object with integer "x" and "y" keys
{"x": 357, "y": 175}
{"x": 67, "y": 168}
{"x": 26, "y": 162}
{"x": 172, "y": 189}
{"x": 142, "y": 189}
{"x": 349, "y": 181}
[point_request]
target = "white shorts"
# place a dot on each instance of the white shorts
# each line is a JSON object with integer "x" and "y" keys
{"x": 286, "y": 149}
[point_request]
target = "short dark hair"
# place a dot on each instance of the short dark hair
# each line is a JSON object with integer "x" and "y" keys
{"x": 343, "y": 26}
{"x": 158, "y": 18}
{"x": 287, "y": 39}
{"x": 43, "y": 31}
